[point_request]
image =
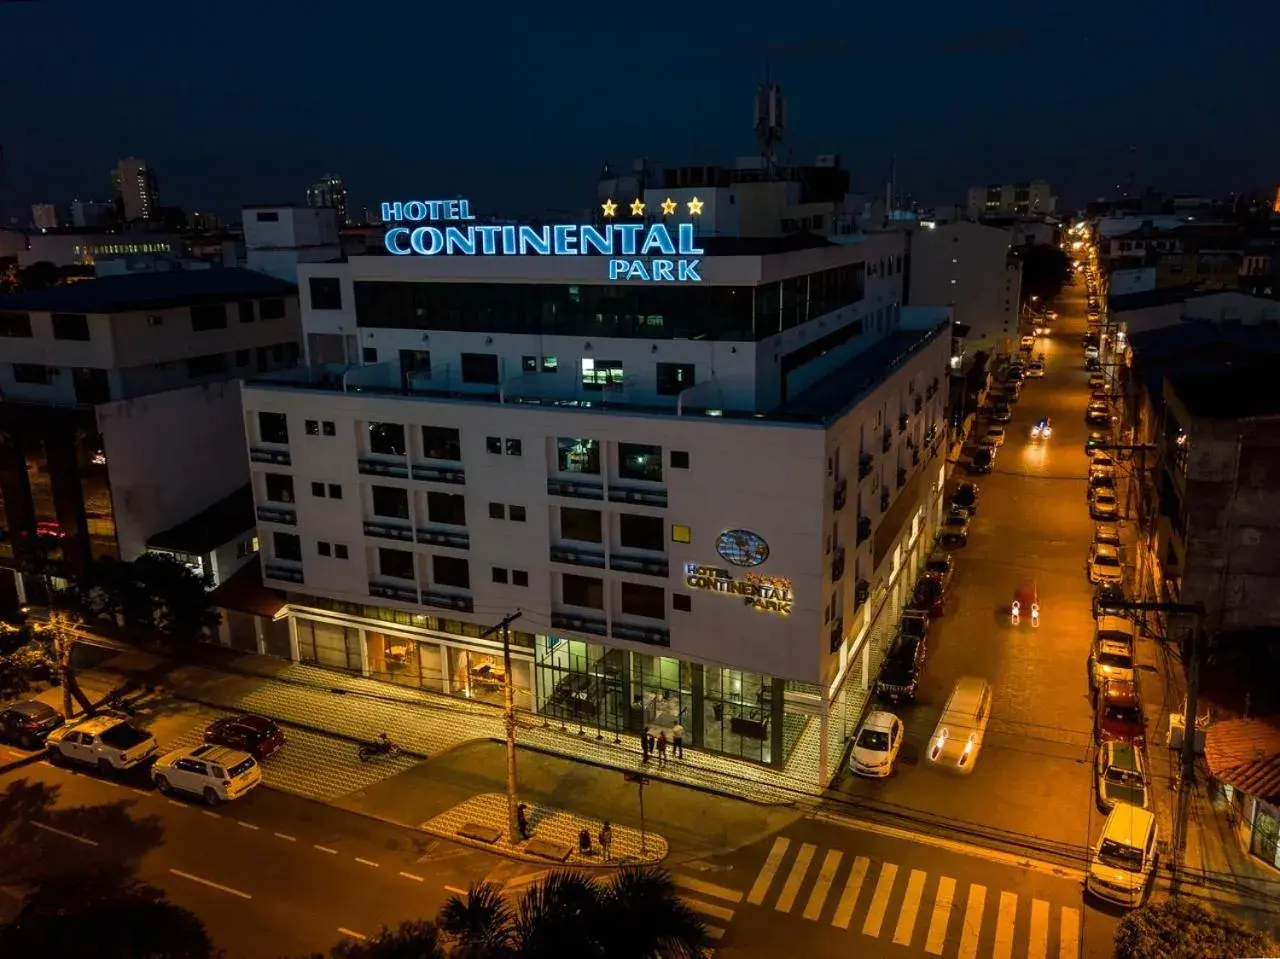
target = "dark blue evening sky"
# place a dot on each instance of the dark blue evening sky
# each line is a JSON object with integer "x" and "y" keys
{"x": 518, "y": 104}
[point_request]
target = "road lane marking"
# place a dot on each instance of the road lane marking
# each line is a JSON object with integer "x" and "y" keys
{"x": 352, "y": 934}
{"x": 1038, "y": 947}
{"x": 455, "y": 890}
{"x": 331, "y": 852}
{"x": 64, "y": 834}
{"x": 822, "y": 886}
{"x": 706, "y": 888}
{"x": 367, "y": 862}
{"x": 910, "y": 909}
{"x": 713, "y": 932}
{"x": 529, "y": 877}
{"x": 770, "y": 868}
{"x": 1069, "y": 933}
{"x": 407, "y": 875}
{"x": 708, "y": 909}
{"x": 285, "y": 836}
{"x": 849, "y": 898}
{"x": 880, "y": 901}
{"x": 972, "y": 922}
{"x": 1003, "y": 946}
{"x": 791, "y": 888}
{"x": 45, "y": 762}
{"x": 937, "y": 936}
{"x": 140, "y": 792}
{"x": 211, "y": 884}
{"x": 247, "y": 825}
{"x": 174, "y": 802}
{"x": 210, "y": 813}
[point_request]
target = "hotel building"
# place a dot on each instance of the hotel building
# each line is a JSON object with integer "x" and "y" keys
{"x": 706, "y": 499}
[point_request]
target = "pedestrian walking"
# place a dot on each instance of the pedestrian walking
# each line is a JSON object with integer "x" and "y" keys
{"x": 522, "y": 821}
{"x": 662, "y": 748}
{"x": 606, "y": 840}
{"x": 648, "y": 743}
{"x": 677, "y": 741}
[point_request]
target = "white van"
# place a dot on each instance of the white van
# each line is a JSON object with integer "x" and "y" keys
{"x": 958, "y": 738}
{"x": 1124, "y": 860}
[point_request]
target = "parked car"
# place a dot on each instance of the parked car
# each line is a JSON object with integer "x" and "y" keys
{"x": 983, "y": 459}
{"x": 900, "y": 671}
{"x": 1123, "y": 863}
{"x": 1107, "y": 599}
{"x": 1102, "y": 503}
{"x": 876, "y": 746}
{"x": 930, "y": 596}
{"x": 996, "y": 435}
{"x": 1120, "y": 775}
{"x": 106, "y": 740}
{"x": 955, "y": 528}
{"x": 957, "y": 739}
{"x": 939, "y": 566}
{"x": 256, "y": 735}
{"x": 966, "y": 498}
{"x": 1101, "y": 464}
{"x": 1000, "y": 414}
{"x": 214, "y": 773}
{"x": 1028, "y": 344}
{"x": 1097, "y": 382}
{"x": 1104, "y": 564}
{"x": 1119, "y": 716}
{"x": 28, "y": 723}
{"x": 1111, "y": 653}
{"x": 1097, "y": 414}
{"x": 1108, "y": 534}
{"x": 1095, "y": 440}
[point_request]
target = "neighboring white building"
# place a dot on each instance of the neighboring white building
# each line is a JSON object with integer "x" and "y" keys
{"x": 135, "y": 186}
{"x": 708, "y": 499}
{"x": 120, "y": 407}
{"x": 278, "y": 238}
{"x": 966, "y": 266}
{"x": 92, "y": 215}
{"x": 45, "y": 216}
{"x": 1034, "y": 196}
{"x": 73, "y": 248}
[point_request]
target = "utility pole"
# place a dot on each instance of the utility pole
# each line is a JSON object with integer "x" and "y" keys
{"x": 509, "y": 719}
{"x": 641, "y": 780}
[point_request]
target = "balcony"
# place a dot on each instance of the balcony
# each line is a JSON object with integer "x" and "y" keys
{"x": 438, "y": 474}
{"x": 887, "y": 443}
{"x": 388, "y": 531}
{"x": 433, "y": 597}
{"x": 282, "y": 569}
{"x": 580, "y": 623}
{"x": 284, "y": 515}
{"x": 636, "y": 494}
{"x": 649, "y": 565}
{"x": 884, "y": 501}
{"x": 575, "y": 489}
{"x": 903, "y": 421}
{"x": 902, "y": 475}
{"x": 373, "y": 467}
{"x": 454, "y": 539}
{"x": 865, "y": 462}
{"x": 653, "y": 635}
{"x": 578, "y": 556}
{"x": 861, "y": 593}
{"x": 840, "y": 495}
{"x": 864, "y": 529}
{"x": 837, "y": 564}
{"x": 260, "y": 454}
{"x": 919, "y": 403}
{"x": 398, "y": 591}
{"x": 837, "y": 634}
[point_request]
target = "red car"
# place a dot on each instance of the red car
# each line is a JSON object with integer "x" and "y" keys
{"x": 1119, "y": 716}
{"x": 256, "y": 735}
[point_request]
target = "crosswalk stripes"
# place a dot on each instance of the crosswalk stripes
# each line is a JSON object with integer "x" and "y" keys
{"x": 903, "y": 908}
{"x": 695, "y": 893}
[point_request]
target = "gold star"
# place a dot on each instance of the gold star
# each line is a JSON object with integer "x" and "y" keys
{"x": 669, "y": 206}
{"x": 695, "y": 207}
{"x": 609, "y": 207}
{"x": 637, "y": 207}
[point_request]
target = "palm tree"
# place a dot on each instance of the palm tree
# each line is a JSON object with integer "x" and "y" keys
{"x": 481, "y": 926}
{"x": 561, "y": 918}
{"x": 643, "y": 917}
{"x": 418, "y": 939}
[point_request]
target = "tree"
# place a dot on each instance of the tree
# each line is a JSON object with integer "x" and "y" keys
{"x": 26, "y": 658}
{"x": 153, "y": 592}
{"x": 39, "y": 276}
{"x": 643, "y": 916}
{"x": 1183, "y": 928}
{"x": 103, "y": 912}
{"x": 413, "y": 940}
{"x": 1045, "y": 271}
{"x": 481, "y": 925}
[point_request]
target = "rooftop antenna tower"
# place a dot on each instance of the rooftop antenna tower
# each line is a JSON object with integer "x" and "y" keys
{"x": 770, "y": 122}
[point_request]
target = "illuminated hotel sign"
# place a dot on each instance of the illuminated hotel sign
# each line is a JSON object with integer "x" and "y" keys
{"x": 769, "y": 594}
{"x": 636, "y": 251}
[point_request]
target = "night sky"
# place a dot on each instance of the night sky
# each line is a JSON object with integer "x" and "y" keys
{"x": 519, "y": 104}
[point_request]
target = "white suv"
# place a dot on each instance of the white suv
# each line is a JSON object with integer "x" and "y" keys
{"x": 107, "y": 741}
{"x": 215, "y": 773}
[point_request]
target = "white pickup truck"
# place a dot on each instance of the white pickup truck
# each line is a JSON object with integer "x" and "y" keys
{"x": 107, "y": 741}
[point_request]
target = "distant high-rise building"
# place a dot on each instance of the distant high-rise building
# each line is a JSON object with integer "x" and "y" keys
{"x": 329, "y": 191}
{"x": 135, "y": 187}
{"x": 45, "y": 216}
{"x": 91, "y": 214}
{"x": 204, "y": 222}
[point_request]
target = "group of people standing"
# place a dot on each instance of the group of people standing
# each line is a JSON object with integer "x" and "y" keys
{"x": 651, "y": 743}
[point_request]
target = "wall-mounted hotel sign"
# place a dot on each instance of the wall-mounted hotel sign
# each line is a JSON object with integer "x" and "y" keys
{"x": 769, "y": 594}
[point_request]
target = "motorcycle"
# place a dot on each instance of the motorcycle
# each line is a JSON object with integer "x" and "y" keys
{"x": 1017, "y": 612}
{"x": 1027, "y": 598}
{"x": 381, "y": 747}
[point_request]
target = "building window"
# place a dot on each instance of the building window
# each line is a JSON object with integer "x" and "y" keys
{"x": 387, "y": 439}
{"x": 242, "y": 358}
{"x": 339, "y": 551}
{"x": 317, "y": 489}
{"x": 516, "y": 514}
{"x": 519, "y": 577}
{"x": 480, "y": 368}
{"x": 576, "y": 455}
{"x": 582, "y": 525}
{"x": 396, "y": 563}
{"x": 287, "y": 546}
{"x": 449, "y": 509}
{"x": 641, "y": 600}
{"x": 313, "y": 427}
{"x": 328, "y": 428}
{"x": 273, "y": 428}
{"x": 497, "y": 511}
{"x": 681, "y": 534}
{"x": 370, "y": 354}
{"x": 601, "y": 374}
{"x": 335, "y": 491}
{"x": 451, "y": 571}
{"x": 15, "y": 324}
{"x": 277, "y": 352}
{"x": 246, "y": 311}
{"x": 641, "y": 532}
{"x": 679, "y": 460}
{"x": 279, "y": 487}
{"x": 640, "y": 462}
{"x": 499, "y": 574}
{"x": 70, "y": 326}
{"x": 267, "y": 216}
{"x": 493, "y": 444}
{"x": 32, "y": 373}
{"x": 326, "y": 293}
{"x": 550, "y": 364}
{"x": 515, "y": 448}
{"x": 674, "y": 377}
{"x": 528, "y": 364}
{"x": 682, "y": 602}
{"x": 271, "y": 309}
{"x": 208, "y": 316}
{"x": 207, "y": 365}
{"x": 390, "y": 501}
{"x": 323, "y": 548}
{"x": 441, "y": 443}
{"x": 585, "y": 591}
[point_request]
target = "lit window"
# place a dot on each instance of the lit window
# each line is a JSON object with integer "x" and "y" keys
{"x": 681, "y": 534}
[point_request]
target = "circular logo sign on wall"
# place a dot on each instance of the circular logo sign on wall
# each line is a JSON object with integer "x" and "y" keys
{"x": 741, "y": 547}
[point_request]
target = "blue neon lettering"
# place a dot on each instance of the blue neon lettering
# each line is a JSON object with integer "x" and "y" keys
{"x": 660, "y": 238}
{"x": 686, "y": 239}
{"x": 509, "y": 240}
{"x": 662, "y": 270}
{"x": 418, "y": 238}
{"x": 488, "y": 239}
{"x": 392, "y": 212}
{"x": 687, "y": 271}
{"x": 629, "y": 232}
{"x": 537, "y": 240}
{"x": 638, "y": 271}
{"x": 434, "y": 206}
{"x": 618, "y": 269}
{"x": 415, "y": 211}
{"x": 450, "y": 209}
{"x": 464, "y": 210}
{"x": 391, "y": 240}
{"x": 459, "y": 241}
{"x": 589, "y": 236}
{"x": 565, "y": 240}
